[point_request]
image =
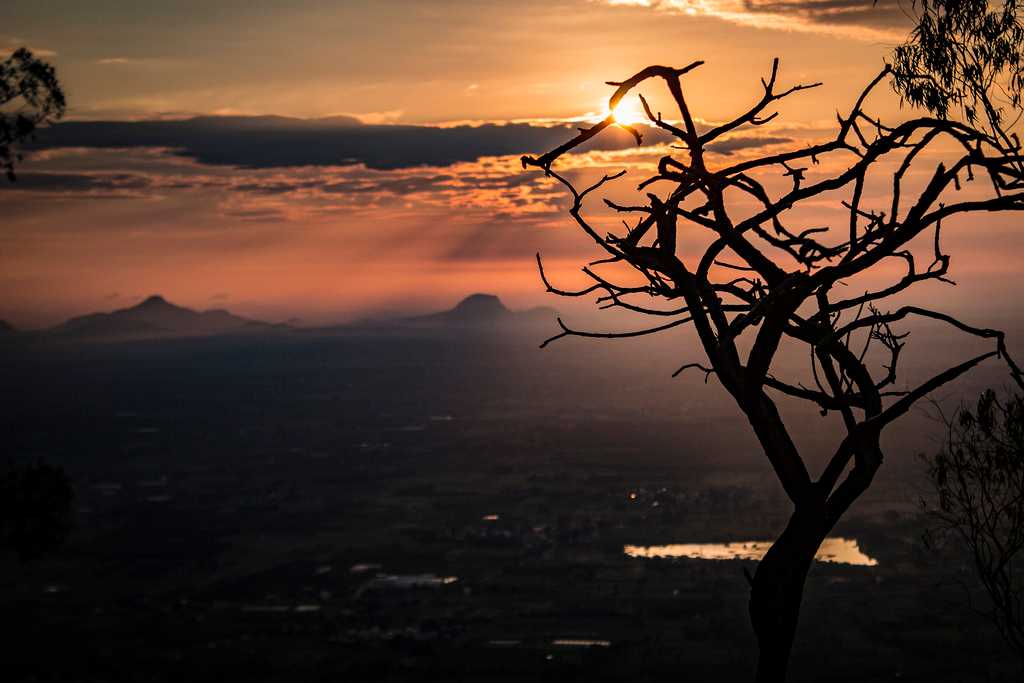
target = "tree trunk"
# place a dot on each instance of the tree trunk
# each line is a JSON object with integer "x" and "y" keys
{"x": 777, "y": 591}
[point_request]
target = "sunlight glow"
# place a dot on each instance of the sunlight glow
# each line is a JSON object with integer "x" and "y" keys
{"x": 629, "y": 112}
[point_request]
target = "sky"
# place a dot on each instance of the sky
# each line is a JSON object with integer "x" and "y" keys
{"x": 328, "y": 161}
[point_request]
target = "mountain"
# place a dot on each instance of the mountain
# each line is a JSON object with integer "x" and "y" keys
{"x": 477, "y": 308}
{"x": 156, "y": 317}
{"x": 485, "y": 309}
{"x": 6, "y": 327}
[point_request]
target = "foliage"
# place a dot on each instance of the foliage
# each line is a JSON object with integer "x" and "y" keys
{"x": 963, "y": 55}
{"x": 30, "y": 97}
{"x": 978, "y": 478}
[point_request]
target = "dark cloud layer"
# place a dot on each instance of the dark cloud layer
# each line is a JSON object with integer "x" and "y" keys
{"x": 81, "y": 182}
{"x": 274, "y": 142}
{"x": 870, "y": 13}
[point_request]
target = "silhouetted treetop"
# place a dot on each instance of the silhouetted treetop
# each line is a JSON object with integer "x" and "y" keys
{"x": 30, "y": 97}
{"x": 963, "y": 56}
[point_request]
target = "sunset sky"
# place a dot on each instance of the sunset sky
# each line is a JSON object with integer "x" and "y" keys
{"x": 393, "y": 184}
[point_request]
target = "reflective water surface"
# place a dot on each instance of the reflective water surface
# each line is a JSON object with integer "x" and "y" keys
{"x": 833, "y": 549}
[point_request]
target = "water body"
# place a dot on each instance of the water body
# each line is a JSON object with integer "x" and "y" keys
{"x": 580, "y": 642}
{"x": 833, "y": 549}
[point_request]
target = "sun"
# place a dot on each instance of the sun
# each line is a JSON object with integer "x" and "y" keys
{"x": 628, "y": 112}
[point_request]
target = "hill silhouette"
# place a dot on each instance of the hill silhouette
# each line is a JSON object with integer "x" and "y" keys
{"x": 484, "y": 309}
{"x": 156, "y": 317}
{"x": 477, "y": 308}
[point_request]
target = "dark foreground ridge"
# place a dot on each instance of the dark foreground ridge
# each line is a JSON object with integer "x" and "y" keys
{"x": 402, "y": 504}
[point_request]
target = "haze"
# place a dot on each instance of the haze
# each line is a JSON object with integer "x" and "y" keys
{"x": 330, "y": 221}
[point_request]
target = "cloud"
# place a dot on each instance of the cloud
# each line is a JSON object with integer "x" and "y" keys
{"x": 876, "y": 13}
{"x": 292, "y": 233}
{"x": 107, "y": 184}
{"x": 276, "y": 142}
{"x": 293, "y": 191}
{"x": 738, "y": 143}
{"x": 273, "y": 142}
{"x": 379, "y": 117}
{"x": 872, "y": 20}
{"x": 141, "y": 62}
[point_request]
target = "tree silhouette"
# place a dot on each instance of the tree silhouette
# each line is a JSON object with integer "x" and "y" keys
{"x": 750, "y": 280}
{"x": 30, "y": 97}
{"x": 978, "y": 477}
{"x": 963, "y": 56}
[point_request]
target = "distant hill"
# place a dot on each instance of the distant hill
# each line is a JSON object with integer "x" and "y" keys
{"x": 153, "y": 318}
{"x": 485, "y": 309}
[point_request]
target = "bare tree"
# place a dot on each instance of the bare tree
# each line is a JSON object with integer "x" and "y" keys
{"x": 978, "y": 479}
{"x": 751, "y": 279}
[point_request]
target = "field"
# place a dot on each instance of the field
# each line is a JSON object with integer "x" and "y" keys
{"x": 406, "y": 504}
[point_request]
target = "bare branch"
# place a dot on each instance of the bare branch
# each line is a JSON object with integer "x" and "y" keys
{"x": 707, "y": 371}
{"x": 568, "y": 332}
{"x": 562, "y": 292}
{"x": 789, "y": 269}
